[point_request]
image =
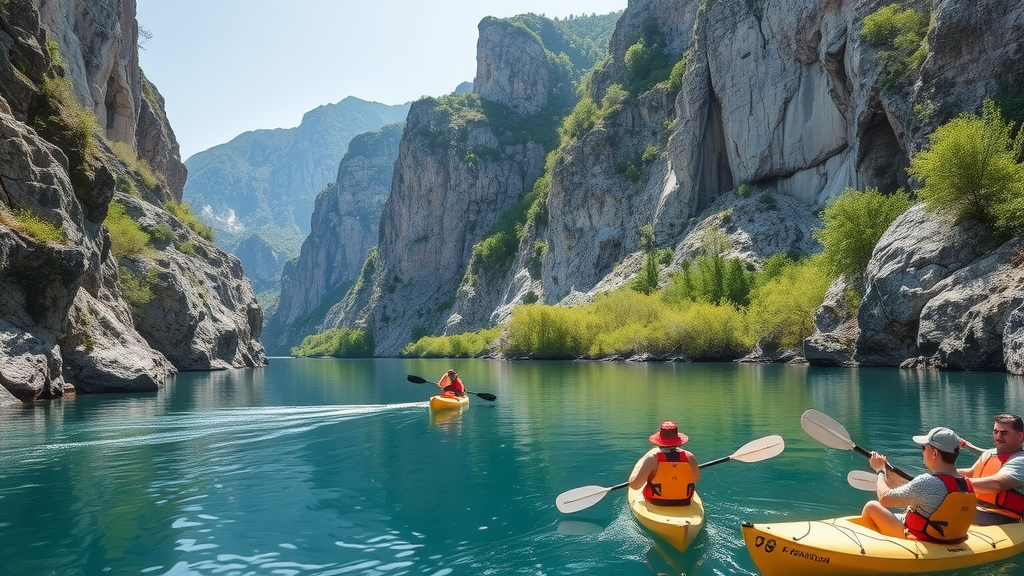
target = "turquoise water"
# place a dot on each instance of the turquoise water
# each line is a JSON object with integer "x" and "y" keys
{"x": 323, "y": 467}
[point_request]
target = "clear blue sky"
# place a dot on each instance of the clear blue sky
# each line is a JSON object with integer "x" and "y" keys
{"x": 229, "y": 66}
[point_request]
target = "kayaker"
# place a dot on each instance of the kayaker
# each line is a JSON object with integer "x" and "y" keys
{"x": 940, "y": 504}
{"x": 668, "y": 474}
{"x": 451, "y": 384}
{"x": 998, "y": 475}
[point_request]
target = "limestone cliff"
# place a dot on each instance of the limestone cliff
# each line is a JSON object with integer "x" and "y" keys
{"x": 344, "y": 228}
{"x": 77, "y": 121}
{"x": 780, "y": 98}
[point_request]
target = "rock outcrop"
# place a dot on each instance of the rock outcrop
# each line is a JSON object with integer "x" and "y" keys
{"x": 71, "y": 319}
{"x": 345, "y": 227}
{"x": 782, "y": 99}
{"x": 265, "y": 182}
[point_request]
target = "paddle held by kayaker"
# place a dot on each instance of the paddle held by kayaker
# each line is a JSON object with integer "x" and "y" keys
{"x": 939, "y": 503}
{"x": 998, "y": 475}
{"x": 667, "y": 474}
{"x": 451, "y": 385}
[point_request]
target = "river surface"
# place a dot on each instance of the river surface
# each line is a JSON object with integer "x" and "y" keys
{"x": 325, "y": 467}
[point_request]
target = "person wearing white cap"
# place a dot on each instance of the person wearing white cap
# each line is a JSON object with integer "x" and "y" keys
{"x": 939, "y": 504}
{"x": 998, "y": 475}
{"x": 668, "y": 474}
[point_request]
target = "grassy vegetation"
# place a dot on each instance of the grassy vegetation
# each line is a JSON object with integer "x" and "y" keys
{"x": 184, "y": 214}
{"x": 126, "y": 237}
{"x": 28, "y": 224}
{"x": 337, "y": 343}
{"x": 127, "y": 155}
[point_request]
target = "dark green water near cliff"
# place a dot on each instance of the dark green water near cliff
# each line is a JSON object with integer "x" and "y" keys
{"x": 325, "y": 467}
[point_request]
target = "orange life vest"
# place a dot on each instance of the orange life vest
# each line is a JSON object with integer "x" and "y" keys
{"x": 950, "y": 521}
{"x": 672, "y": 482}
{"x": 1009, "y": 503}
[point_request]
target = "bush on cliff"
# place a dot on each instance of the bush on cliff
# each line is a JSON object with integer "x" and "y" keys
{"x": 971, "y": 169}
{"x": 853, "y": 224}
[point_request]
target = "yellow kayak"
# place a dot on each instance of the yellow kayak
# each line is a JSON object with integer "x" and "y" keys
{"x": 442, "y": 402}
{"x": 677, "y": 525}
{"x": 845, "y": 546}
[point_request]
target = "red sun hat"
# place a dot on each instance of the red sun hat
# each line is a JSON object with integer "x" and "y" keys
{"x": 668, "y": 435}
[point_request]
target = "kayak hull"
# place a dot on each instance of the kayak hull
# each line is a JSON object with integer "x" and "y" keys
{"x": 677, "y": 525}
{"x": 441, "y": 402}
{"x": 844, "y": 546}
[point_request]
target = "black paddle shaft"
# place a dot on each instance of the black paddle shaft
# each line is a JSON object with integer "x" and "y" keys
{"x": 894, "y": 469}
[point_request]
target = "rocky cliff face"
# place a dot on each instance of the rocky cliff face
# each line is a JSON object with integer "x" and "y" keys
{"x": 265, "y": 182}
{"x": 65, "y": 319}
{"x": 344, "y": 228}
{"x": 780, "y": 97}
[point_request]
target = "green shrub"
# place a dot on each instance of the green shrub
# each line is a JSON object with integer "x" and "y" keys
{"x": 853, "y": 224}
{"x": 467, "y": 345}
{"x": 184, "y": 214}
{"x": 582, "y": 119}
{"x": 138, "y": 290}
{"x": 781, "y": 312}
{"x": 650, "y": 154}
{"x": 548, "y": 332}
{"x": 971, "y": 170}
{"x": 337, "y": 343}
{"x": 743, "y": 191}
{"x": 614, "y": 97}
{"x": 898, "y": 35}
{"x": 161, "y": 235}
{"x": 126, "y": 237}
{"x": 646, "y": 282}
{"x": 675, "y": 77}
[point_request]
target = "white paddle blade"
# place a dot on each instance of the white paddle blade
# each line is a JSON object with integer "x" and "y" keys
{"x": 760, "y": 449}
{"x": 862, "y": 480}
{"x": 824, "y": 429}
{"x": 580, "y": 498}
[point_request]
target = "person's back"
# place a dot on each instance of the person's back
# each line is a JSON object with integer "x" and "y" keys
{"x": 939, "y": 504}
{"x": 667, "y": 474}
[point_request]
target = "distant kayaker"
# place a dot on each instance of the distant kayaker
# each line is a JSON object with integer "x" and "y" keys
{"x": 668, "y": 475}
{"x": 451, "y": 384}
{"x": 940, "y": 504}
{"x": 998, "y": 475}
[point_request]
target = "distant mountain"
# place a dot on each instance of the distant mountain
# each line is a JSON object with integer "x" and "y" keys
{"x": 265, "y": 181}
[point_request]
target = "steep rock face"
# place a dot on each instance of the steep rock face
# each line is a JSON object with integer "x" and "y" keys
{"x": 65, "y": 321}
{"x": 98, "y": 43}
{"x": 937, "y": 289}
{"x": 266, "y": 181}
{"x": 343, "y": 229}
{"x": 941, "y": 294}
{"x": 511, "y": 68}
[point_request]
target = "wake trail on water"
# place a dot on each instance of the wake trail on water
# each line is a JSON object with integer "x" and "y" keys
{"x": 236, "y": 425}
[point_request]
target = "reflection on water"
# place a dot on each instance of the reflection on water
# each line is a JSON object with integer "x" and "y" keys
{"x": 339, "y": 467}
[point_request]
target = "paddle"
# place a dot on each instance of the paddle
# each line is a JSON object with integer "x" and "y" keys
{"x": 754, "y": 451}
{"x": 863, "y": 480}
{"x": 826, "y": 430}
{"x": 485, "y": 395}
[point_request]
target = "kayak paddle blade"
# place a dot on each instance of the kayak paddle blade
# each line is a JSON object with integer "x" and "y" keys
{"x": 826, "y": 430}
{"x": 862, "y": 480}
{"x": 583, "y": 497}
{"x": 415, "y": 379}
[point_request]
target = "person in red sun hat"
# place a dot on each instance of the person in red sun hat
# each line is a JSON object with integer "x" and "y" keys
{"x": 667, "y": 474}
